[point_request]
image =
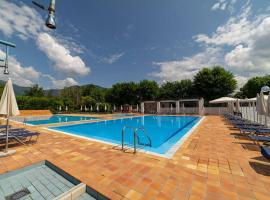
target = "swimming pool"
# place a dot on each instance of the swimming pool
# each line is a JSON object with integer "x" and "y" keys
{"x": 56, "y": 119}
{"x": 163, "y": 131}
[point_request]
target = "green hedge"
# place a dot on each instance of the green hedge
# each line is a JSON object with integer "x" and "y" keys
{"x": 38, "y": 103}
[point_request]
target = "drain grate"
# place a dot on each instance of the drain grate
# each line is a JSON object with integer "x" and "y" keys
{"x": 18, "y": 195}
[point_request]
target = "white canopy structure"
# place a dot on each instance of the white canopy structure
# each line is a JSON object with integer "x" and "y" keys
{"x": 9, "y": 108}
{"x": 254, "y": 99}
{"x": 223, "y": 100}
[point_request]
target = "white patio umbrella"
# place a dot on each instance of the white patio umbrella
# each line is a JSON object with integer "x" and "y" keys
{"x": 263, "y": 106}
{"x": 9, "y": 108}
{"x": 97, "y": 108}
{"x": 91, "y": 108}
{"x": 114, "y": 108}
{"x": 183, "y": 108}
{"x": 81, "y": 108}
{"x": 66, "y": 108}
{"x": 237, "y": 106}
{"x": 268, "y": 105}
{"x": 60, "y": 108}
{"x": 257, "y": 105}
{"x": 230, "y": 107}
{"x": 121, "y": 108}
{"x": 249, "y": 109}
{"x": 85, "y": 108}
{"x": 223, "y": 100}
{"x": 137, "y": 108}
{"x": 105, "y": 107}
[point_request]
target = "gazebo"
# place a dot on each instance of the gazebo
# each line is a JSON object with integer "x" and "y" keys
{"x": 181, "y": 106}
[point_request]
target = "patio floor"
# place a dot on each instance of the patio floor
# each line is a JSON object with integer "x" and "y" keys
{"x": 214, "y": 163}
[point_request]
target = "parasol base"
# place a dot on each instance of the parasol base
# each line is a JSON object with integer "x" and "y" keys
{"x": 8, "y": 153}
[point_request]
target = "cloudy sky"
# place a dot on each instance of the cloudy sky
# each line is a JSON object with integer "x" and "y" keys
{"x": 103, "y": 42}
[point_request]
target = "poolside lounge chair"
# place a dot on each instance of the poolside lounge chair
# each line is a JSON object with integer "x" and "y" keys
{"x": 20, "y": 136}
{"x": 265, "y": 151}
{"x": 257, "y": 138}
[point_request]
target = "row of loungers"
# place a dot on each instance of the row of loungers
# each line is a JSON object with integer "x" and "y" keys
{"x": 20, "y": 135}
{"x": 255, "y": 131}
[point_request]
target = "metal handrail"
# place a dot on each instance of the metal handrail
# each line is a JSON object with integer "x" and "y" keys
{"x": 123, "y": 136}
{"x": 145, "y": 134}
{"x": 135, "y": 136}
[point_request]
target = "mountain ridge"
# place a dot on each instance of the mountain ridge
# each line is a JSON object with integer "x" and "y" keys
{"x": 20, "y": 90}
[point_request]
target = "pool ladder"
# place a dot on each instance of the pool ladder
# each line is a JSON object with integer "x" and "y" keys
{"x": 135, "y": 137}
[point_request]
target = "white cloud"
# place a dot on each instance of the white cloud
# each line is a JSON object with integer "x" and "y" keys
{"x": 242, "y": 45}
{"x": 59, "y": 84}
{"x": 224, "y": 5}
{"x": 130, "y": 27}
{"x": 112, "y": 58}
{"x": 188, "y": 66}
{"x": 61, "y": 56}
{"x": 249, "y": 39}
{"x": 19, "y": 19}
{"x": 26, "y": 23}
{"x": 25, "y": 76}
{"x": 235, "y": 31}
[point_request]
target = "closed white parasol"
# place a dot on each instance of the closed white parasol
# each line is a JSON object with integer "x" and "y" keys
{"x": 9, "y": 108}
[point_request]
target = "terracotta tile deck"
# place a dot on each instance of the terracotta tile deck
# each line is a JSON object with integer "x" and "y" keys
{"x": 211, "y": 164}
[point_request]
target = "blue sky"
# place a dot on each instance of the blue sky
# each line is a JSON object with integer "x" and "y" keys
{"x": 104, "y": 42}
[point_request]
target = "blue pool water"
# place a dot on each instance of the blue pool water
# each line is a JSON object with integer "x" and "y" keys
{"x": 164, "y": 131}
{"x": 57, "y": 119}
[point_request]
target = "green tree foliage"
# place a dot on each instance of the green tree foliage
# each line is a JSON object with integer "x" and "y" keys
{"x": 95, "y": 92}
{"x": 88, "y": 101}
{"x": 147, "y": 90}
{"x": 38, "y": 103}
{"x": 176, "y": 89}
{"x": 123, "y": 93}
{"x": 211, "y": 83}
{"x": 71, "y": 96}
{"x": 35, "y": 91}
{"x": 254, "y": 85}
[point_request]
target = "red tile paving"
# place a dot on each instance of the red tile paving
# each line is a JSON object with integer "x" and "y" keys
{"x": 214, "y": 163}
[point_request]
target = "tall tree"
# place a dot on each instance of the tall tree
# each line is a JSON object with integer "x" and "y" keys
{"x": 176, "y": 89}
{"x": 123, "y": 93}
{"x": 254, "y": 85}
{"x": 147, "y": 90}
{"x": 72, "y": 96}
{"x": 95, "y": 92}
{"x": 35, "y": 91}
{"x": 215, "y": 82}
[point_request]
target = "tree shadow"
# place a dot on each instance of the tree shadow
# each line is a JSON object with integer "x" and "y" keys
{"x": 260, "y": 168}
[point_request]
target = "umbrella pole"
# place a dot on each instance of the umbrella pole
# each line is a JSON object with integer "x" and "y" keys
{"x": 6, "y": 148}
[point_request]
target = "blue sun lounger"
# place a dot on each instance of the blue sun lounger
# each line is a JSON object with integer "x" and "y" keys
{"x": 265, "y": 151}
{"x": 258, "y": 138}
{"x": 20, "y": 136}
